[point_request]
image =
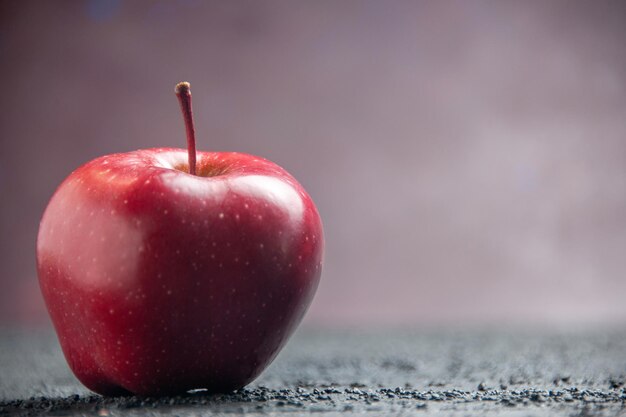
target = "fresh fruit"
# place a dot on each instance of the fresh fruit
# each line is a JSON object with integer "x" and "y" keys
{"x": 166, "y": 270}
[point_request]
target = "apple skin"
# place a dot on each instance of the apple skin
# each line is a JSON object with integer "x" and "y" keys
{"x": 158, "y": 281}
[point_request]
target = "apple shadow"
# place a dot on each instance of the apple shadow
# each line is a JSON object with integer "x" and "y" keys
{"x": 241, "y": 401}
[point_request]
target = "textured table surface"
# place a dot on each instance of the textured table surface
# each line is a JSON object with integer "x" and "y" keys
{"x": 368, "y": 372}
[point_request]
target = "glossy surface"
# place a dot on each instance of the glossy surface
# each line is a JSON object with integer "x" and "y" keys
{"x": 158, "y": 281}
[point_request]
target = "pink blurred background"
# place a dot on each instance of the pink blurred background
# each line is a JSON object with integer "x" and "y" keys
{"x": 468, "y": 158}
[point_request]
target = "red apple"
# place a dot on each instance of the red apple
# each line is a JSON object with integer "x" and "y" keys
{"x": 159, "y": 281}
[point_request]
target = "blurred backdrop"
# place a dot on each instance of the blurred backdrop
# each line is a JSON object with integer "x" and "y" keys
{"x": 468, "y": 158}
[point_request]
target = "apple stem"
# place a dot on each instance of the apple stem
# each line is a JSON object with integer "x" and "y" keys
{"x": 183, "y": 92}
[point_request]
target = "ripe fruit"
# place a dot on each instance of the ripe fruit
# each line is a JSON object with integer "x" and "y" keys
{"x": 162, "y": 274}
